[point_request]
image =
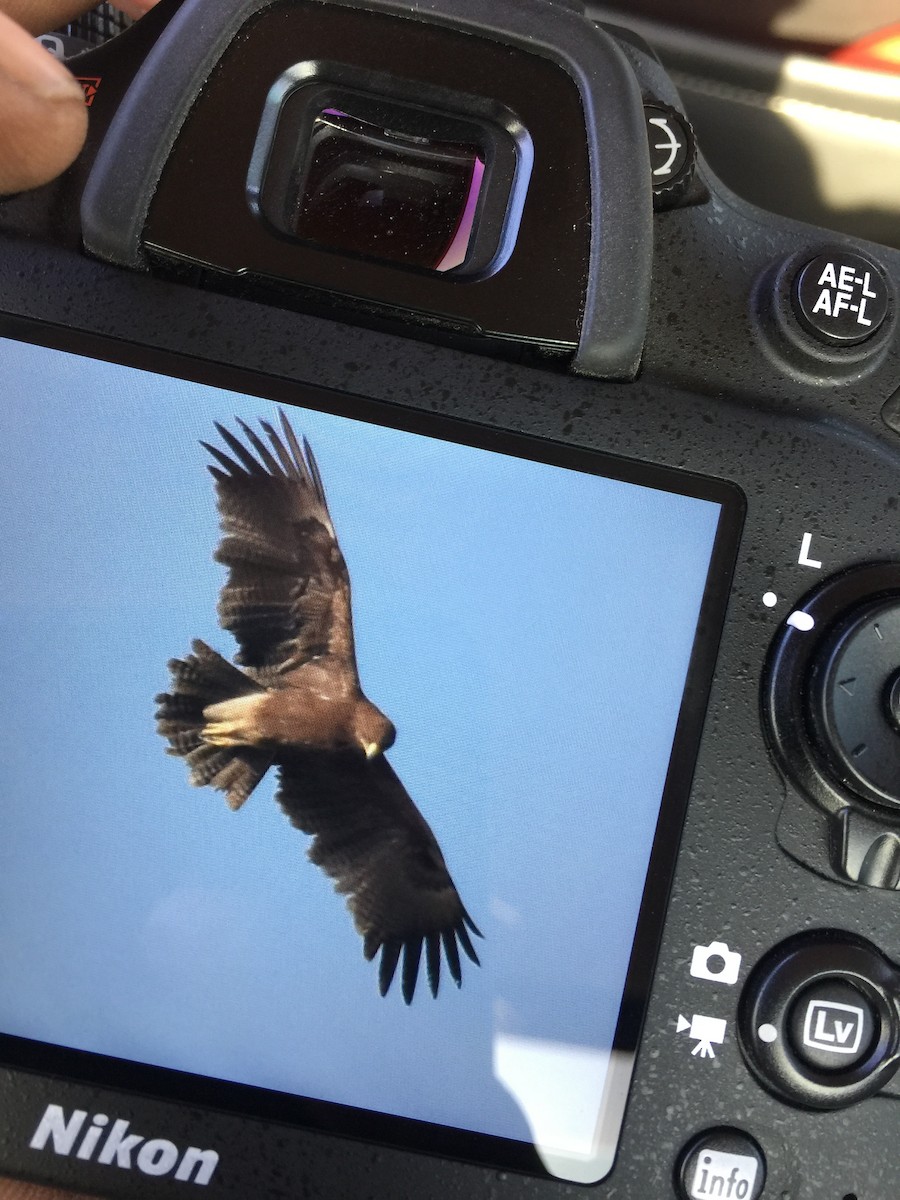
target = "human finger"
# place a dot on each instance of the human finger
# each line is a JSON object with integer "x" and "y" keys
{"x": 44, "y": 117}
{"x": 12, "y": 1189}
{"x": 39, "y": 16}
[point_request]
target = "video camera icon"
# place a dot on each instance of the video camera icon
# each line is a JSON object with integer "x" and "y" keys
{"x": 704, "y": 1031}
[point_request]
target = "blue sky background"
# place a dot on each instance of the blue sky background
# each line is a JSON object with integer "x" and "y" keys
{"x": 526, "y": 628}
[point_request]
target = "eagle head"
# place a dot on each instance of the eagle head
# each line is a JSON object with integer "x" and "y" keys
{"x": 372, "y": 730}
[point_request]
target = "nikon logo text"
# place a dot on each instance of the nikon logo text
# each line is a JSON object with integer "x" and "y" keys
{"x": 113, "y": 1145}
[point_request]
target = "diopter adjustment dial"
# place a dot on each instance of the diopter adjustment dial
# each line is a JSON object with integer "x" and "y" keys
{"x": 673, "y": 152}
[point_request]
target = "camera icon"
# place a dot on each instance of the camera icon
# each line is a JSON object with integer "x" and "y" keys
{"x": 715, "y": 962}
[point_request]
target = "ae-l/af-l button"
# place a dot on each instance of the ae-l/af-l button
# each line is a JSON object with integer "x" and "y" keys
{"x": 841, "y": 298}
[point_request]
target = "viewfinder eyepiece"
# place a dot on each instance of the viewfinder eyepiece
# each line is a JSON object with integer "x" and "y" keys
{"x": 434, "y": 186}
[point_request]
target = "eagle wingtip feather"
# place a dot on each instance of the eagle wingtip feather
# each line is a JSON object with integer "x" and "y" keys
{"x": 222, "y": 459}
{"x": 390, "y": 956}
{"x": 466, "y": 942}
{"x": 412, "y": 955}
{"x": 471, "y": 924}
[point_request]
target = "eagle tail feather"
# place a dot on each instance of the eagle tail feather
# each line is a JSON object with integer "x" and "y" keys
{"x": 199, "y": 680}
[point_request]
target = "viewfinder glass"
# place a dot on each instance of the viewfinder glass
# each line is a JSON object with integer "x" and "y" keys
{"x": 384, "y": 194}
{"x": 433, "y": 183}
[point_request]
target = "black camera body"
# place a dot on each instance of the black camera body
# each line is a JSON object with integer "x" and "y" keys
{"x": 486, "y": 226}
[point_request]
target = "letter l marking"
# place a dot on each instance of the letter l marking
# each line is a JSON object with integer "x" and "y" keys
{"x": 804, "y": 560}
{"x": 821, "y": 1034}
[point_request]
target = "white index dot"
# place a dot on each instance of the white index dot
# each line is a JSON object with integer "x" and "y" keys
{"x": 767, "y": 1033}
{"x": 770, "y": 599}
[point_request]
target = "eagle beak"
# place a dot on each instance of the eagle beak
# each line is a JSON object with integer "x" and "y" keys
{"x": 371, "y": 749}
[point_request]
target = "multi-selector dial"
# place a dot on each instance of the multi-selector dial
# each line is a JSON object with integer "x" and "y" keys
{"x": 854, "y": 701}
{"x": 831, "y": 701}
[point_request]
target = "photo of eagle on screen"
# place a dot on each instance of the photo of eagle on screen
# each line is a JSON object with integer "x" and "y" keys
{"x": 294, "y": 702}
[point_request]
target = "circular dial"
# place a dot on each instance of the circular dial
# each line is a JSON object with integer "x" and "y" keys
{"x": 818, "y": 1019}
{"x": 854, "y": 701}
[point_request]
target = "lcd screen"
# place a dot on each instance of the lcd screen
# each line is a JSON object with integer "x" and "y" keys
{"x": 200, "y": 848}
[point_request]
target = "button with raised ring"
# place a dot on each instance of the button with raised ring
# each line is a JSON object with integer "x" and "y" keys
{"x": 722, "y": 1163}
{"x": 819, "y": 1021}
{"x": 841, "y": 298}
{"x": 832, "y": 1025}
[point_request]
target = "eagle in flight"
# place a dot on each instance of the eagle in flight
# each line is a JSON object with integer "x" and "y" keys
{"x": 294, "y": 702}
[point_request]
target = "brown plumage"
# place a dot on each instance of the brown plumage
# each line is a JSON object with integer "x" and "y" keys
{"x": 295, "y": 702}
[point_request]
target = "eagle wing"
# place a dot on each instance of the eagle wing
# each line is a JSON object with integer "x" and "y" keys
{"x": 379, "y": 849}
{"x": 287, "y": 596}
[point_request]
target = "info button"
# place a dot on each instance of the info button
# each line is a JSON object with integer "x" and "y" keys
{"x": 832, "y": 1026}
{"x": 722, "y": 1164}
